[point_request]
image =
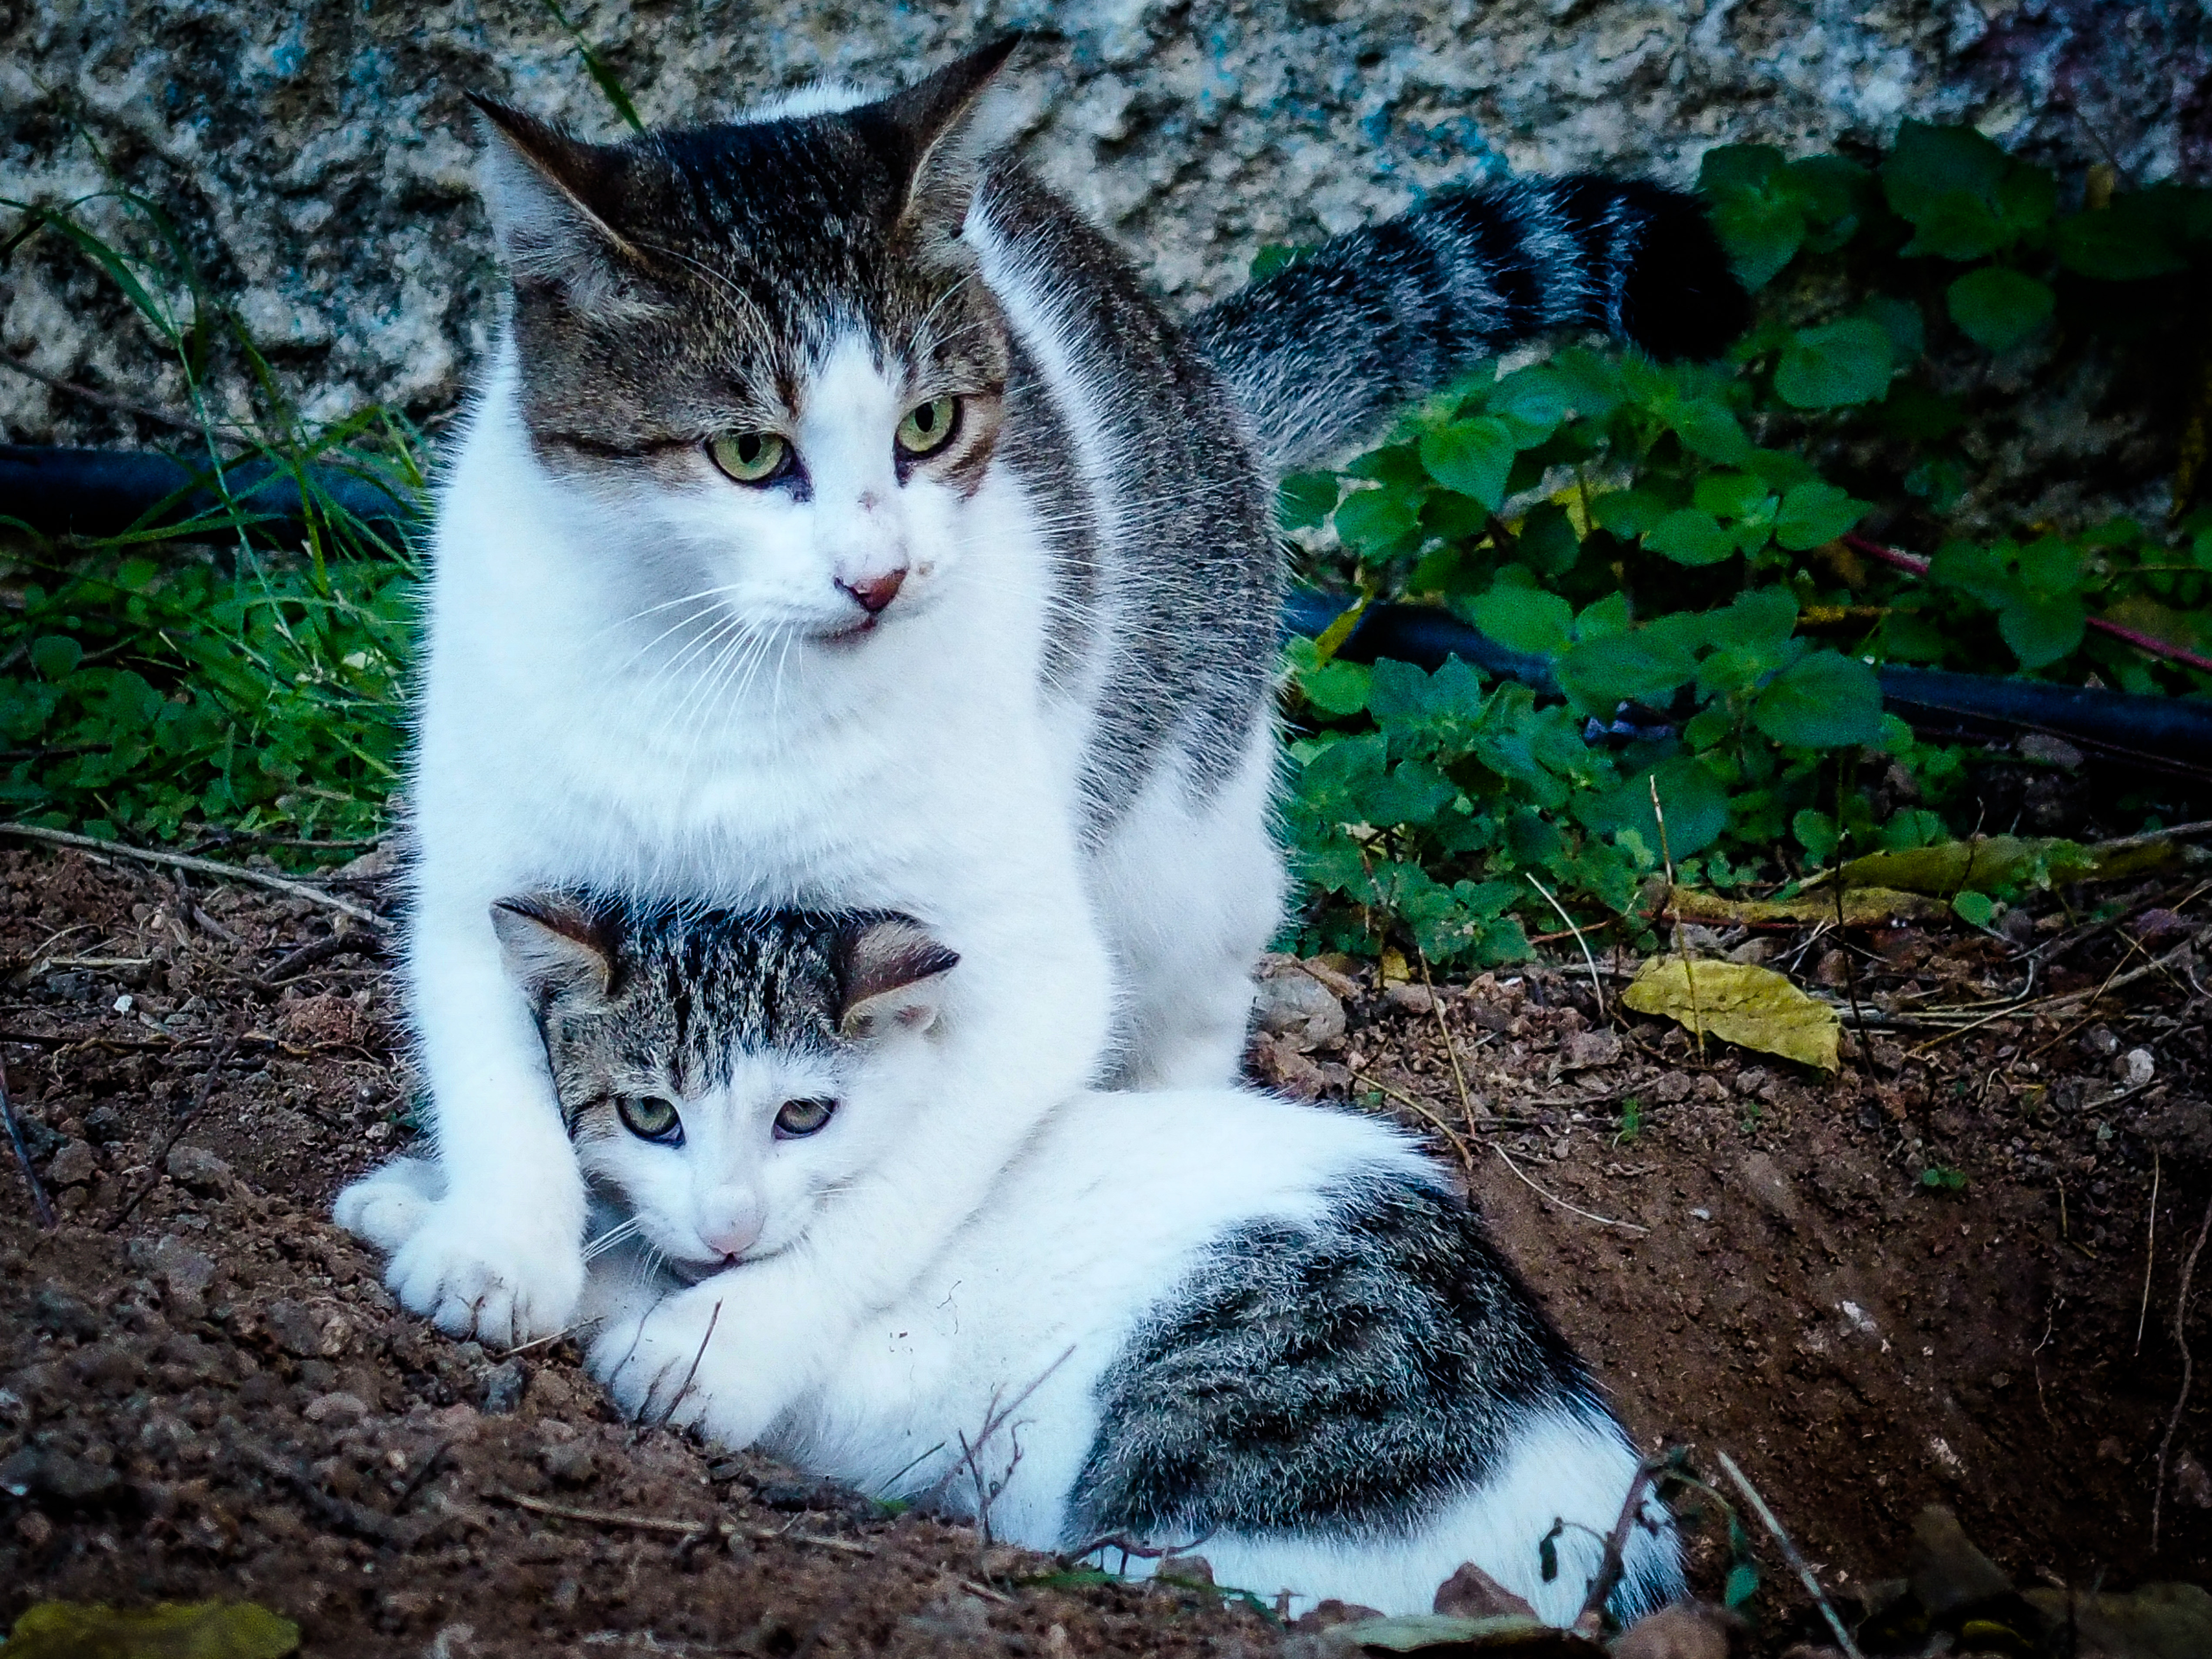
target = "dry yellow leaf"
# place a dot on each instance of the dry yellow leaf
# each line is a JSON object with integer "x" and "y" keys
{"x": 204, "y": 1630}
{"x": 1754, "y": 1007}
{"x": 1864, "y": 906}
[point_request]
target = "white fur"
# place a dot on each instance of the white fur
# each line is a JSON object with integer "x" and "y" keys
{"x": 1002, "y": 1337}
{"x": 664, "y": 689}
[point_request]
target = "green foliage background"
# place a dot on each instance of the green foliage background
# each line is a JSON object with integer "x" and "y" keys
{"x": 1660, "y": 537}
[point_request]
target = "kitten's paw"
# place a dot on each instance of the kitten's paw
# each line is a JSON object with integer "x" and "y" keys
{"x": 501, "y": 1281}
{"x": 661, "y": 1365}
{"x": 387, "y": 1206}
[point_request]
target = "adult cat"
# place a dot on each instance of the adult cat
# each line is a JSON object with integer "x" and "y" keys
{"x": 841, "y": 524}
{"x": 1201, "y": 1318}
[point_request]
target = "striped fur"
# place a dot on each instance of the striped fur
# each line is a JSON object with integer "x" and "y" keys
{"x": 1324, "y": 351}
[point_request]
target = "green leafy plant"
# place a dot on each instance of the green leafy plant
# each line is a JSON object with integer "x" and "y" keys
{"x": 1671, "y": 551}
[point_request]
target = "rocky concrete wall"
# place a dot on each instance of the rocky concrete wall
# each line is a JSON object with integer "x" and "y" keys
{"x": 315, "y": 158}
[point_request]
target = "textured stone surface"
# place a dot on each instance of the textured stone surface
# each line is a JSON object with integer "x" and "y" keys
{"x": 317, "y": 158}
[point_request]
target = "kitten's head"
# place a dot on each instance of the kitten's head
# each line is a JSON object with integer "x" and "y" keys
{"x": 721, "y": 1074}
{"x": 761, "y": 346}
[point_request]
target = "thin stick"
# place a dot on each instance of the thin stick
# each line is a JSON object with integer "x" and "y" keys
{"x": 1606, "y": 1220}
{"x": 2181, "y": 1341}
{"x": 208, "y": 1080}
{"x": 1789, "y": 1553}
{"x": 1451, "y": 1136}
{"x": 692, "y": 1376}
{"x": 2150, "y": 1251}
{"x": 204, "y": 867}
{"x": 1443, "y": 1030}
{"x": 1681, "y": 949}
{"x": 1597, "y": 988}
{"x": 40, "y": 1203}
{"x": 1591, "y": 1620}
{"x": 659, "y": 1524}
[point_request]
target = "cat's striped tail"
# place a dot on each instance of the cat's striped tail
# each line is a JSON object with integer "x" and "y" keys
{"x": 1322, "y": 352}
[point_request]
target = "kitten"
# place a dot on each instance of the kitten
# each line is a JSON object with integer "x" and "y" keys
{"x": 841, "y": 525}
{"x": 1176, "y": 1317}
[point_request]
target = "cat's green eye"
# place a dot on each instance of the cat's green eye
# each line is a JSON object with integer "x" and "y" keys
{"x": 801, "y": 1118}
{"x": 750, "y": 457}
{"x": 929, "y": 426}
{"x": 650, "y": 1118}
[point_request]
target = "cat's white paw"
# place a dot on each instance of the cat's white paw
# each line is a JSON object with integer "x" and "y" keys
{"x": 499, "y": 1279}
{"x": 387, "y": 1206}
{"x": 669, "y": 1365}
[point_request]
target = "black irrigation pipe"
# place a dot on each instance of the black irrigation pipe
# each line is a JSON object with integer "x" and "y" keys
{"x": 2163, "y": 733}
{"x": 106, "y": 492}
{"x": 98, "y": 492}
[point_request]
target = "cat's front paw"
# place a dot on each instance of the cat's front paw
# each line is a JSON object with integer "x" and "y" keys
{"x": 387, "y": 1206}
{"x": 665, "y": 1364}
{"x": 499, "y": 1279}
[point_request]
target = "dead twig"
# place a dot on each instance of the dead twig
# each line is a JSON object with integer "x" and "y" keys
{"x": 1597, "y": 986}
{"x": 1451, "y": 1136}
{"x": 667, "y": 1525}
{"x": 40, "y": 1203}
{"x": 1604, "y": 1220}
{"x": 2181, "y": 1402}
{"x": 203, "y": 866}
{"x": 317, "y": 952}
{"x": 691, "y": 1377}
{"x": 1591, "y": 1620}
{"x": 1443, "y": 1030}
{"x": 1789, "y": 1553}
{"x": 2150, "y": 1250}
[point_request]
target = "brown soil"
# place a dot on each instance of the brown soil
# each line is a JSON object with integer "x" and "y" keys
{"x": 205, "y": 1392}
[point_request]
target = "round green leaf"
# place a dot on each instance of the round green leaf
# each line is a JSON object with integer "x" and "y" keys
{"x": 1377, "y": 516}
{"x": 56, "y": 656}
{"x": 1523, "y": 619}
{"x": 1976, "y": 910}
{"x": 1827, "y": 700}
{"x": 1998, "y": 308}
{"x": 1472, "y": 457}
{"x": 1693, "y": 800}
{"x": 1690, "y": 536}
{"x": 1841, "y": 364}
{"x": 1813, "y": 514}
{"x": 2041, "y": 631}
{"x": 1641, "y": 665}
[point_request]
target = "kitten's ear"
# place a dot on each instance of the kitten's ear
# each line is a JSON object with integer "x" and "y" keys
{"x": 554, "y": 943}
{"x": 894, "y": 975}
{"x": 544, "y": 190}
{"x": 948, "y": 124}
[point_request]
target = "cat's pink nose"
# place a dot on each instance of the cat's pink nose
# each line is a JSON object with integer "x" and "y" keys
{"x": 873, "y": 593}
{"x": 732, "y": 1237}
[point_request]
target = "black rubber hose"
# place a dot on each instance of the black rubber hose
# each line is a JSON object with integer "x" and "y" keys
{"x": 105, "y": 492}
{"x": 99, "y": 492}
{"x": 2151, "y": 729}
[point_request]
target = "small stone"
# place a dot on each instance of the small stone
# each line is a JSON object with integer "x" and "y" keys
{"x": 1190, "y": 1569}
{"x": 197, "y": 1168}
{"x": 75, "y": 1165}
{"x": 2137, "y": 1068}
{"x": 305, "y": 1333}
{"x": 1948, "y": 1573}
{"x": 1585, "y": 1049}
{"x": 1292, "y": 1005}
{"x": 503, "y": 1387}
{"x": 1834, "y": 971}
{"x": 2192, "y": 1485}
{"x": 1413, "y": 998}
{"x": 184, "y": 1274}
{"x": 1688, "y": 1630}
{"x": 340, "y": 1411}
{"x": 1331, "y": 1614}
{"x": 572, "y": 1464}
{"x": 2049, "y": 750}
{"x": 34, "y": 1530}
{"x": 1471, "y": 1593}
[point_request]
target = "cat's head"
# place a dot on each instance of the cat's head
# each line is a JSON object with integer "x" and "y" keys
{"x": 760, "y": 348}
{"x": 721, "y": 1074}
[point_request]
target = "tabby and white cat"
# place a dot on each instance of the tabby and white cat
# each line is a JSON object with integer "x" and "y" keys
{"x": 1201, "y": 1315}
{"x": 840, "y": 524}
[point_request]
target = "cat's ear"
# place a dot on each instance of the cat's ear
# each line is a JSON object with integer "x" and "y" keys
{"x": 556, "y": 942}
{"x": 894, "y": 977}
{"x": 948, "y": 125}
{"x": 548, "y": 194}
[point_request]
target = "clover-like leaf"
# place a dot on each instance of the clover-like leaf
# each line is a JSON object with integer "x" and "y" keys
{"x": 1691, "y": 537}
{"x": 1825, "y": 700}
{"x": 1840, "y": 364}
{"x": 1472, "y": 457}
{"x": 2042, "y": 630}
{"x": 1523, "y": 618}
{"x": 1997, "y": 307}
{"x": 1815, "y": 513}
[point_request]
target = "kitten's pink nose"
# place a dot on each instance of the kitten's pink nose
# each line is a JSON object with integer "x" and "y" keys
{"x": 873, "y": 593}
{"x": 731, "y": 1238}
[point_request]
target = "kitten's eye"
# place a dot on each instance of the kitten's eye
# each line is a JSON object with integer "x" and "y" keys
{"x": 799, "y": 1118}
{"x": 650, "y": 1118}
{"x": 750, "y": 457}
{"x": 929, "y": 426}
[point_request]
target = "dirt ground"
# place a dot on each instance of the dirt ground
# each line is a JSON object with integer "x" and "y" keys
{"x": 1921, "y": 1281}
